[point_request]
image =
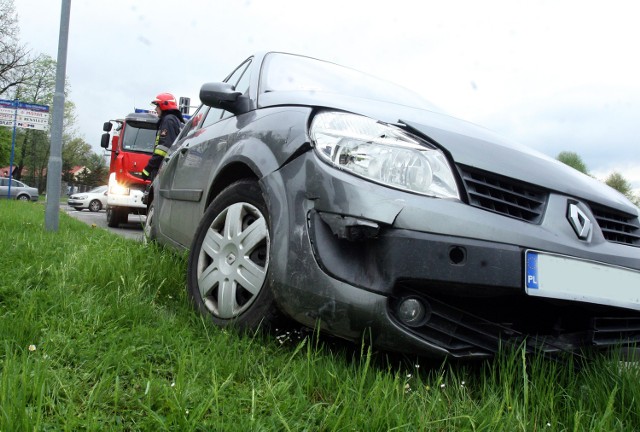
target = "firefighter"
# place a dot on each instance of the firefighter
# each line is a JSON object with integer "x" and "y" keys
{"x": 169, "y": 126}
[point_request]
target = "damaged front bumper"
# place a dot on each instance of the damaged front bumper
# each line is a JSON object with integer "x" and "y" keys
{"x": 354, "y": 256}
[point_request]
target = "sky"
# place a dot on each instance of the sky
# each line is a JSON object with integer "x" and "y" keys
{"x": 556, "y": 76}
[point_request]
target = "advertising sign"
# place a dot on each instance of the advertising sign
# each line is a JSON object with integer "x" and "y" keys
{"x": 26, "y": 115}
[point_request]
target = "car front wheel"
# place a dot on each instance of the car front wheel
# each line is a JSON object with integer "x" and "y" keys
{"x": 23, "y": 198}
{"x": 229, "y": 260}
{"x": 95, "y": 205}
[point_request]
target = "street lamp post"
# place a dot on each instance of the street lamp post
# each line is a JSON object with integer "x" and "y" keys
{"x": 54, "y": 169}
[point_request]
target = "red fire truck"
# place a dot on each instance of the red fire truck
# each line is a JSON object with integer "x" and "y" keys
{"x": 132, "y": 140}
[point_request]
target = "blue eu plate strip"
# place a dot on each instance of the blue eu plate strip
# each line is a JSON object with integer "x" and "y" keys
{"x": 532, "y": 270}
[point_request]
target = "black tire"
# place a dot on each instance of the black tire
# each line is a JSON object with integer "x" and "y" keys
{"x": 112, "y": 218}
{"x": 227, "y": 272}
{"x": 23, "y": 198}
{"x": 95, "y": 205}
{"x": 116, "y": 216}
{"x": 149, "y": 226}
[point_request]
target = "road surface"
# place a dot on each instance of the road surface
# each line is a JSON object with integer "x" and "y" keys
{"x": 131, "y": 230}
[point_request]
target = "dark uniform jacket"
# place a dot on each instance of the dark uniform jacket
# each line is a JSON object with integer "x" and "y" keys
{"x": 168, "y": 129}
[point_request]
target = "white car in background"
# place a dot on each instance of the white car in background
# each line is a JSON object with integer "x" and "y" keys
{"x": 94, "y": 200}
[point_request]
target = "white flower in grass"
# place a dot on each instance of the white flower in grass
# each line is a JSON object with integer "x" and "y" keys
{"x": 173, "y": 384}
{"x": 32, "y": 348}
{"x": 548, "y": 424}
{"x": 442, "y": 386}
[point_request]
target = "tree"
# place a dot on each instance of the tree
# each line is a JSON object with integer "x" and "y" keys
{"x": 15, "y": 59}
{"x": 619, "y": 183}
{"x": 97, "y": 172}
{"x": 5, "y": 146}
{"x": 573, "y": 160}
{"x": 75, "y": 152}
{"x": 33, "y": 80}
{"x": 32, "y": 146}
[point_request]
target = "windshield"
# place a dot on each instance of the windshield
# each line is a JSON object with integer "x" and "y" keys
{"x": 99, "y": 189}
{"x": 286, "y": 72}
{"x": 137, "y": 139}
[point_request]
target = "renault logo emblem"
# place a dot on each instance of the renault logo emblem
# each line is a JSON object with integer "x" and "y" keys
{"x": 579, "y": 221}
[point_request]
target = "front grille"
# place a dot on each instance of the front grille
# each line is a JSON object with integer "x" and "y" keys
{"x": 475, "y": 327}
{"x": 460, "y": 333}
{"x": 616, "y": 226}
{"x": 504, "y": 195}
{"x": 612, "y": 331}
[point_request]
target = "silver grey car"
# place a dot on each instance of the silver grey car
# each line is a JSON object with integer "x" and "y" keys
{"x": 19, "y": 190}
{"x": 307, "y": 190}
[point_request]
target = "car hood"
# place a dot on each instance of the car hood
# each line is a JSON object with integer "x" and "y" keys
{"x": 469, "y": 144}
{"x": 476, "y": 147}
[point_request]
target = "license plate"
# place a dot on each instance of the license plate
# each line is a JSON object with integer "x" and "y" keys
{"x": 567, "y": 278}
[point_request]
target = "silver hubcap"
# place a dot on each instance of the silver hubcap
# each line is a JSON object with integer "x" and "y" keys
{"x": 233, "y": 260}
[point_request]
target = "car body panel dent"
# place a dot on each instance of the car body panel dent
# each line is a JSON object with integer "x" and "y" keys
{"x": 330, "y": 191}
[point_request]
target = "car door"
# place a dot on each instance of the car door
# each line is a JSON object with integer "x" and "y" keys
{"x": 4, "y": 187}
{"x": 197, "y": 158}
{"x": 164, "y": 181}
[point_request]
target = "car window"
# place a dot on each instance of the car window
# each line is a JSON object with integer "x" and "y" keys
{"x": 139, "y": 139}
{"x": 239, "y": 76}
{"x": 4, "y": 182}
{"x": 196, "y": 120}
{"x": 213, "y": 116}
{"x": 242, "y": 84}
{"x": 284, "y": 72}
{"x": 240, "y": 79}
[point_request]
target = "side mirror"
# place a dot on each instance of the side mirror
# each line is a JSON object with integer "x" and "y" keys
{"x": 224, "y": 96}
{"x": 106, "y": 127}
{"x": 104, "y": 141}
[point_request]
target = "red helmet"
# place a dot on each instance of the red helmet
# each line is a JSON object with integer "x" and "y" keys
{"x": 166, "y": 101}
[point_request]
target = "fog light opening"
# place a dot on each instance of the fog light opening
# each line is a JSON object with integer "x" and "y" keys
{"x": 457, "y": 255}
{"x": 413, "y": 312}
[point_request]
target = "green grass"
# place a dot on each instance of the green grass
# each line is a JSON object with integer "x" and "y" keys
{"x": 96, "y": 333}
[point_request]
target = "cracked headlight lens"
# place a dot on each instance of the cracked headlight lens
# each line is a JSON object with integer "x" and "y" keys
{"x": 382, "y": 153}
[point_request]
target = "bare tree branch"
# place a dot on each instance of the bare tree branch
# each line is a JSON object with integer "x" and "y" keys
{"x": 16, "y": 62}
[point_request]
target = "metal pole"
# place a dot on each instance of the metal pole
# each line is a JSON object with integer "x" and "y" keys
{"x": 13, "y": 146}
{"x": 54, "y": 169}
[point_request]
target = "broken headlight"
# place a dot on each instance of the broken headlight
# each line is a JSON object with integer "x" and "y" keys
{"x": 382, "y": 153}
